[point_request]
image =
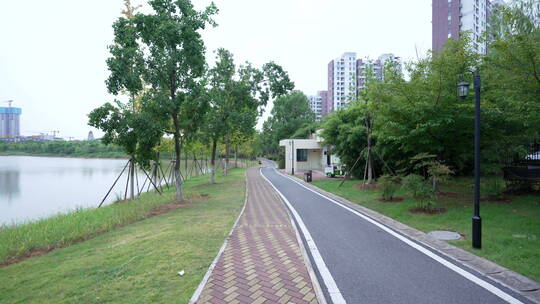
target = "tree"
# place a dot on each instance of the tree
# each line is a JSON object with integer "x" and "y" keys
{"x": 290, "y": 113}
{"x": 511, "y": 72}
{"x": 165, "y": 51}
{"x": 345, "y": 131}
{"x": 233, "y": 108}
{"x": 424, "y": 114}
{"x": 237, "y": 98}
{"x": 306, "y": 130}
{"x": 135, "y": 125}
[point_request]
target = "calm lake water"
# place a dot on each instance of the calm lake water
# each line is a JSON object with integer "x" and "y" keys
{"x": 37, "y": 187}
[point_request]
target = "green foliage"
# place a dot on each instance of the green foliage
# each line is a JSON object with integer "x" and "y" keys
{"x": 493, "y": 187}
{"x": 158, "y": 60}
{"x": 414, "y": 184}
{"x": 290, "y": 113}
{"x": 424, "y": 114}
{"x": 306, "y": 131}
{"x": 425, "y": 199}
{"x": 389, "y": 185}
{"x": 64, "y": 148}
{"x": 345, "y": 131}
{"x": 237, "y": 97}
{"x": 438, "y": 173}
{"x": 137, "y": 132}
{"x": 511, "y": 75}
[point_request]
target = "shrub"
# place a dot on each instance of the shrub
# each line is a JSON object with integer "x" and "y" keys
{"x": 421, "y": 190}
{"x": 389, "y": 185}
{"x": 438, "y": 173}
{"x": 494, "y": 187}
{"x": 413, "y": 184}
{"x": 425, "y": 198}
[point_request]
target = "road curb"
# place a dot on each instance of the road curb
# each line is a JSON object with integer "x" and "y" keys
{"x": 506, "y": 277}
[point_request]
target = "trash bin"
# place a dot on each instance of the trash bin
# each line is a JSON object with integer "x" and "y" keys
{"x": 308, "y": 176}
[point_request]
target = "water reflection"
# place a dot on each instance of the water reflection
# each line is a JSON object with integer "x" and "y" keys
{"x": 9, "y": 185}
{"x": 37, "y": 187}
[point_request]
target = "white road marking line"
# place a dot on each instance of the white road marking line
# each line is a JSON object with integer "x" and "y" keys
{"x": 490, "y": 287}
{"x": 333, "y": 290}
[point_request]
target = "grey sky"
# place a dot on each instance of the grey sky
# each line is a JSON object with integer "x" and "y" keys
{"x": 52, "y": 53}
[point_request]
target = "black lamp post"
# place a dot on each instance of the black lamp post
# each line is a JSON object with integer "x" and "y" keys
{"x": 463, "y": 88}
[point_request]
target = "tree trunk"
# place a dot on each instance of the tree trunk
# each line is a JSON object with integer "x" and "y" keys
{"x": 369, "y": 158}
{"x": 227, "y": 153}
{"x": 177, "y": 150}
{"x": 186, "y": 164}
{"x": 236, "y": 156}
{"x": 132, "y": 181}
{"x": 213, "y": 162}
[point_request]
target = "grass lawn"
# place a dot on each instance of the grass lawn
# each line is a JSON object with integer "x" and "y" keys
{"x": 510, "y": 231}
{"x": 137, "y": 263}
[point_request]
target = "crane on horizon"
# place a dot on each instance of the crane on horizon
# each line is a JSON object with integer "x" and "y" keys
{"x": 9, "y": 102}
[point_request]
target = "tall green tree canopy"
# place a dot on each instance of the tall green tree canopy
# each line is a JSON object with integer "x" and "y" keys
{"x": 290, "y": 113}
{"x": 163, "y": 53}
{"x": 424, "y": 114}
{"x": 511, "y": 69}
{"x": 345, "y": 131}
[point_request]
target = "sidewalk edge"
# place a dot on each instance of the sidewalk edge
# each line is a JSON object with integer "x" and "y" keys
{"x": 206, "y": 277}
{"x": 314, "y": 280}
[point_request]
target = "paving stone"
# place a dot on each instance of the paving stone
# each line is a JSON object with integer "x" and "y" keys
{"x": 445, "y": 235}
{"x": 262, "y": 262}
{"x": 517, "y": 281}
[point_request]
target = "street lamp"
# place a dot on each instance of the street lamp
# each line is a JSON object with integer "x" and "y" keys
{"x": 463, "y": 88}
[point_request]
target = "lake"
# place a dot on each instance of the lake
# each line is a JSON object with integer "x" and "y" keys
{"x": 38, "y": 187}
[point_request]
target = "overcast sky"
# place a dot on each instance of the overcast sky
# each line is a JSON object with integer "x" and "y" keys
{"x": 52, "y": 53}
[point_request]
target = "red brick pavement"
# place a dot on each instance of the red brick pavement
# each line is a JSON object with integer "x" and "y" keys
{"x": 262, "y": 262}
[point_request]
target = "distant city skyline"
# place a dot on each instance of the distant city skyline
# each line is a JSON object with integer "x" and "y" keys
{"x": 52, "y": 61}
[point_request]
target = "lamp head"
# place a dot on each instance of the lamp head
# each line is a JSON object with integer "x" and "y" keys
{"x": 463, "y": 89}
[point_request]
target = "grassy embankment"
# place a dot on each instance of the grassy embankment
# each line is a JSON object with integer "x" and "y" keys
{"x": 511, "y": 230}
{"x": 135, "y": 263}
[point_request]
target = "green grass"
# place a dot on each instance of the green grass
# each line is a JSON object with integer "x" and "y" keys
{"x": 136, "y": 263}
{"x": 511, "y": 231}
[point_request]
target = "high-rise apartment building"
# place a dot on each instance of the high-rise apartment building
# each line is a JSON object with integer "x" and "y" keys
{"x": 319, "y": 104}
{"x": 315, "y": 103}
{"x": 452, "y": 18}
{"x": 376, "y": 67}
{"x": 347, "y": 76}
{"x": 10, "y": 122}
{"x": 342, "y": 80}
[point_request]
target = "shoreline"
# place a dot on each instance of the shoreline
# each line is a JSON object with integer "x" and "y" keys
{"x": 61, "y": 155}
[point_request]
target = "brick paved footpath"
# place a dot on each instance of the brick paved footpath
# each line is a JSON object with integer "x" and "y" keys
{"x": 262, "y": 262}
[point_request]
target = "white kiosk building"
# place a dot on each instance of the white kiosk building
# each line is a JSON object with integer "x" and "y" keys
{"x": 308, "y": 154}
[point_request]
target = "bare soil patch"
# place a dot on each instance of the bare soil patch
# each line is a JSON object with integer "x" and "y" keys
{"x": 428, "y": 212}
{"x": 502, "y": 200}
{"x": 168, "y": 208}
{"x": 392, "y": 200}
{"x": 454, "y": 195}
{"x": 372, "y": 186}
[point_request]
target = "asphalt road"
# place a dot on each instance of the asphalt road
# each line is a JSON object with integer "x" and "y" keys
{"x": 369, "y": 265}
